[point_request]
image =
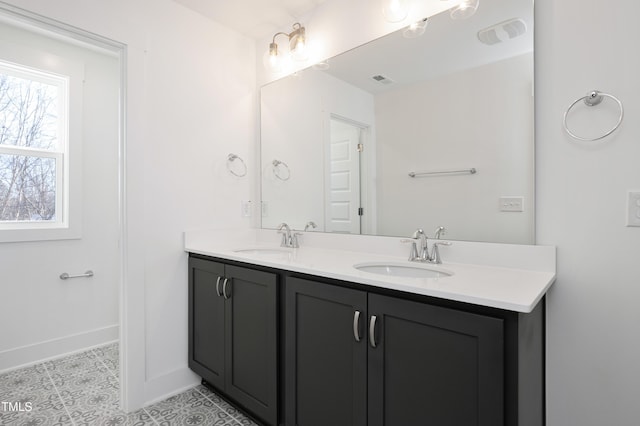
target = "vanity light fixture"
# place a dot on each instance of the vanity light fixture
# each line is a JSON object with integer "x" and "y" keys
{"x": 465, "y": 9}
{"x": 395, "y": 10}
{"x": 297, "y": 48}
{"x": 416, "y": 29}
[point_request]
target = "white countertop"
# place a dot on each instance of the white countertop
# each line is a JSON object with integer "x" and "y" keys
{"x": 511, "y": 288}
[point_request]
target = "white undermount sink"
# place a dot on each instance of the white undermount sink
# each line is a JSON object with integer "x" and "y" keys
{"x": 401, "y": 270}
{"x": 277, "y": 252}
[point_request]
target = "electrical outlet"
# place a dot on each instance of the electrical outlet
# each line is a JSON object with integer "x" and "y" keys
{"x": 633, "y": 208}
{"x": 245, "y": 207}
{"x": 511, "y": 204}
{"x": 265, "y": 209}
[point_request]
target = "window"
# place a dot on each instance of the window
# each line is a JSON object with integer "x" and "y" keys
{"x": 33, "y": 148}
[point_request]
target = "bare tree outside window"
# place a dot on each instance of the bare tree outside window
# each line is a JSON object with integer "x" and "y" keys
{"x": 28, "y": 140}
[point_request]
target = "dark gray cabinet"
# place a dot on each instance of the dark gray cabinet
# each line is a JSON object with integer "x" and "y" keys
{"x": 233, "y": 325}
{"x": 358, "y": 358}
{"x": 206, "y": 321}
{"x": 326, "y": 370}
{"x": 299, "y": 350}
{"x": 433, "y": 365}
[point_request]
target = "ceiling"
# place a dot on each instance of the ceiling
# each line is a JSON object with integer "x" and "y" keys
{"x": 254, "y": 18}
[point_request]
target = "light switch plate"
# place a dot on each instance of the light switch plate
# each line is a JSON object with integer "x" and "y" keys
{"x": 265, "y": 209}
{"x": 633, "y": 208}
{"x": 245, "y": 208}
{"x": 511, "y": 204}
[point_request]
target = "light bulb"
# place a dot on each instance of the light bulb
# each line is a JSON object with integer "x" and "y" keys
{"x": 298, "y": 43}
{"x": 465, "y": 9}
{"x": 395, "y": 10}
{"x": 300, "y": 51}
{"x": 272, "y": 59}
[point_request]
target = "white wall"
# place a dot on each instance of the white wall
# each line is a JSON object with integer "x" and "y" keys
{"x": 481, "y": 118}
{"x": 43, "y": 316}
{"x": 295, "y": 122}
{"x": 593, "y": 343}
{"x": 190, "y": 102}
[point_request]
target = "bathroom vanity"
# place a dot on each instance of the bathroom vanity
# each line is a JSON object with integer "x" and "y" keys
{"x": 303, "y": 337}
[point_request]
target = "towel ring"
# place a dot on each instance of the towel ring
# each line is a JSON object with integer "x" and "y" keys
{"x": 593, "y": 98}
{"x": 230, "y": 160}
{"x": 278, "y": 167}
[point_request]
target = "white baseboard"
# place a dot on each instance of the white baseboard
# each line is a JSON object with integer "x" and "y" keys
{"x": 169, "y": 384}
{"x": 34, "y": 353}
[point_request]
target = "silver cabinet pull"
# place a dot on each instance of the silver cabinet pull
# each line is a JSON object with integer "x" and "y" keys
{"x": 224, "y": 289}
{"x": 356, "y": 325}
{"x": 372, "y": 331}
{"x": 218, "y": 287}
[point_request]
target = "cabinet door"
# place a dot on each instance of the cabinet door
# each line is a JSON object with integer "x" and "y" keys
{"x": 325, "y": 365}
{"x": 251, "y": 340}
{"x": 434, "y": 366}
{"x": 206, "y": 321}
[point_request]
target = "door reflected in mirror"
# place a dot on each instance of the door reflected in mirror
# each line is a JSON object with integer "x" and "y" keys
{"x": 343, "y": 183}
{"x": 457, "y": 98}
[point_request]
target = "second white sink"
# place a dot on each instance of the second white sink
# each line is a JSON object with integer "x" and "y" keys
{"x": 401, "y": 270}
{"x": 274, "y": 253}
{"x": 260, "y": 250}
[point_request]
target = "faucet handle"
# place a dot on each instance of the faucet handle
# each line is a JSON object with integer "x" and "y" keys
{"x": 284, "y": 229}
{"x": 413, "y": 255}
{"x": 435, "y": 253}
{"x": 294, "y": 239}
{"x": 284, "y": 242}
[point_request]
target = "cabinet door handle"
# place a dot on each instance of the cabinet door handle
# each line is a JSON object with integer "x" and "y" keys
{"x": 218, "y": 286}
{"x": 356, "y": 325}
{"x": 372, "y": 331}
{"x": 224, "y": 289}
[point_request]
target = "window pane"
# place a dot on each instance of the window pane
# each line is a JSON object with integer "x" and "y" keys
{"x": 28, "y": 113}
{"x": 27, "y": 188}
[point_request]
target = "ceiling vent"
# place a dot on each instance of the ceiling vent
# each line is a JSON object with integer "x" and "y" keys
{"x": 382, "y": 79}
{"x": 503, "y": 31}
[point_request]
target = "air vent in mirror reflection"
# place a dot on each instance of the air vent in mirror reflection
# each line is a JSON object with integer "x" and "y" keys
{"x": 503, "y": 31}
{"x": 382, "y": 79}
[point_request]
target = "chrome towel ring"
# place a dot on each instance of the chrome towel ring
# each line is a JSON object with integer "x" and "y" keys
{"x": 230, "y": 160}
{"x": 279, "y": 168}
{"x": 593, "y": 98}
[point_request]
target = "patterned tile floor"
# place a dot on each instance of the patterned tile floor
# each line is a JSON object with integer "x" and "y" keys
{"x": 83, "y": 390}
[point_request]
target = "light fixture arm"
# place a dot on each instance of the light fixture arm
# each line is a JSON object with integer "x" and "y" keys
{"x": 277, "y": 34}
{"x": 297, "y": 42}
{"x": 297, "y": 35}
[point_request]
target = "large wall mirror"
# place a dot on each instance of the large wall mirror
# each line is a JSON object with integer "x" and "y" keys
{"x": 407, "y": 132}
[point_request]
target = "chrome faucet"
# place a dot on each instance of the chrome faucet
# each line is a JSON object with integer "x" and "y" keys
{"x": 422, "y": 254}
{"x": 289, "y": 238}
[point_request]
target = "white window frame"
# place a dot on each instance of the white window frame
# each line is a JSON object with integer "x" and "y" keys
{"x": 59, "y": 154}
{"x": 25, "y": 62}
